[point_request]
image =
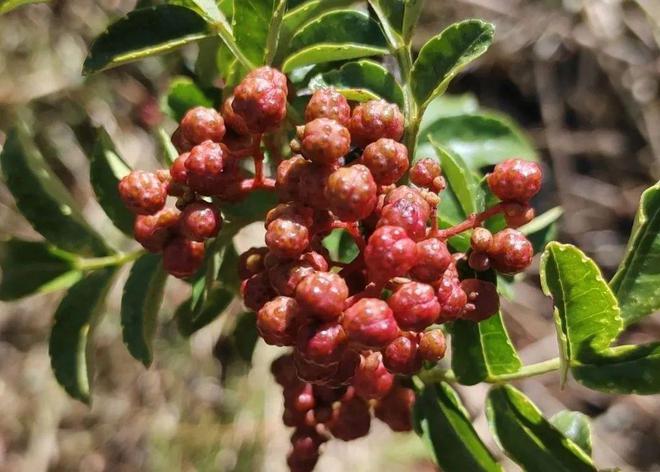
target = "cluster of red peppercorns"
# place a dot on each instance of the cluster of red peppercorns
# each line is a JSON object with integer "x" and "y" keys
{"x": 206, "y": 173}
{"x": 356, "y": 329}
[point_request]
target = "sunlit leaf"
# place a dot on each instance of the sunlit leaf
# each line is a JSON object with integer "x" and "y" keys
{"x": 575, "y": 426}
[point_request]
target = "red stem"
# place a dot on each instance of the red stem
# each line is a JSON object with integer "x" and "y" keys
{"x": 472, "y": 221}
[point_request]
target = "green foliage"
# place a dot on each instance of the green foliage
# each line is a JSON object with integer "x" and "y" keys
{"x": 8, "y": 5}
{"x": 444, "y": 55}
{"x": 251, "y": 25}
{"x": 43, "y": 200}
{"x": 70, "y": 346}
{"x": 575, "y": 426}
{"x": 143, "y": 33}
{"x": 443, "y": 421}
{"x": 528, "y": 438}
{"x": 106, "y": 169}
{"x": 34, "y": 267}
{"x": 636, "y": 281}
{"x": 182, "y": 95}
{"x": 361, "y": 81}
{"x": 140, "y": 302}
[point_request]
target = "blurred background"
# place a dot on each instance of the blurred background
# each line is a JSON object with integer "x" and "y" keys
{"x": 581, "y": 76}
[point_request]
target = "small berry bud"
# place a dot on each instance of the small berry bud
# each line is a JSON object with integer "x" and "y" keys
{"x": 517, "y": 214}
{"x": 479, "y": 261}
{"x": 432, "y": 345}
{"x": 515, "y": 180}
{"x": 424, "y": 172}
{"x": 372, "y": 380}
{"x": 481, "y": 240}
{"x": 251, "y": 262}
{"x": 233, "y": 121}
{"x": 142, "y": 192}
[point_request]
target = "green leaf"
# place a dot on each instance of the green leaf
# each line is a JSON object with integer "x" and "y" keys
{"x": 637, "y": 280}
{"x": 34, "y": 267}
{"x": 444, "y": 106}
{"x": 444, "y": 55}
{"x": 528, "y": 438}
{"x": 542, "y": 229}
{"x": 43, "y": 200}
{"x": 623, "y": 370}
{"x": 140, "y": 303}
{"x": 481, "y": 139}
{"x": 341, "y": 246}
{"x": 253, "y": 208}
{"x": 461, "y": 181}
{"x": 106, "y": 169}
{"x": 445, "y": 423}
{"x": 7, "y": 5}
{"x": 333, "y": 36}
{"x": 70, "y": 346}
{"x": 274, "y": 31}
{"x": 169, "y": 152}
{"x": 251, "y": 23}
{"x": 586, "y": 311}
{"x": 411, "y": 15}
{"x": 189, "y": 321}
{"x": 205, "y": 8}
{"x": 246, "y": 335}
{"x": 390, "y": 14}
{"x": 482, "y": 350}
{"x": 182, "y": 95}
{"x": 143, "y": 33}
{"x": 575, "y": 426}
{"x": 360, "y": 81}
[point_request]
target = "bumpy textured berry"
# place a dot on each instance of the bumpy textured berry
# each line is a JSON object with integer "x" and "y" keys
{"x": 285, "y": 276}
{"x": 142, "y": 192}
{"x": 200, "y": 124}
{"x": 200, "y": 221}
{"x": 433, "y": 258}
{"x": 154, "y": 231}
{"x": 328, "y": 103}
{"x": 206, "y": 168}
{"x": 322, "y": 344}
{"x": 415, "y": 306}
{"x": 291, "y": 211}
{"x": 395, "y": 409}
{"x": 515, "y": 180}
{"x": 481, "y": 240}
{"x": 386, "y": 159}
{"x": 432, "y": 345}
{"x": 424, "y": 172}
{"x": 277, "y": 321}
{"x": 286, "y": 238}
{"x": 178, "y": 169}
{"x": 401, "y": 355}
{"x": 180, "y": 142}
{"x": 517, "y": 214}
{"x": 325, "y": 141}
{"x": 256, "y": 291}
{"x": 288, "y": 177}
{"x": 376, "y": 119}
{"x": 273, "y": 76}
{"x": 372, "y": 380}
{"x": 322, "y": 295}
{"x": 370, "y": 322}
{"x": 183, "y": 257}
{"x": 389, "y": 253}
{"x": 479, "y": 261}
{"x": 351, "y": 193}
{"x": 351, "y": 420}
{"x": 483, "y": 299}
{"x": 251, "y": 262}
{"x": 233, "y": 121}
{"x": 452, "y": 298}
{"x": 511, "y": 252}
{"x": 408, "y": 215}
{"x": 261, "y": 103}
{"x": 312, "y": 185}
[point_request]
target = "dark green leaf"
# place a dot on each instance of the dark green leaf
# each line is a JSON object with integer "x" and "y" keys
{"x": 140, "y": 303}
{"x": 482, "y": 350}
{"x": 637, "y": 280}
{"x": 70, "y": 345}
{"x": 528, "y": 438}
{"x": 586, "y": 311}
{"x": 411, "y": 15}
{"x": 481, "y": 139}
{"x": 444, "y": 55}
{"x": 460, "y": 179}
{"x": 43, "y": 200}
{"x": 7, "y": 5}
{"x": 205, "y": 8}
{"x": 34, "y": 267}
{"x": 360, "y": 81}
{"x": 251, "y": 24}
{"x": 446, "y": 425}
{"x": 341, "y": 246}
{"x": 106, "y": 169}
{"x": 182, "y": 95}
{"x": 246, "y": 335}
{"x": 623, "y": 370}
{"x": 145, "y": 32}
{"x": 253, "y": 208}
{"x": 216, "y": 301}
{"x": 575, "y": 426}
{"x": 333, "y": 36}
{"x": 390, "y": 11}
{"x": 274, "y": 31}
